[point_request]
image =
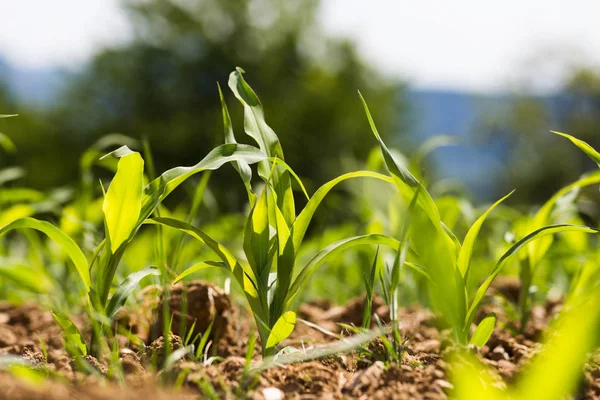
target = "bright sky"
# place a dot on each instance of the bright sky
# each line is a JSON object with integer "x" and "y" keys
{"x": 463, "y": 44}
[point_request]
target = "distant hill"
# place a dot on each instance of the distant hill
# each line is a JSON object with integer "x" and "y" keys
{"x": 35, "y": 86}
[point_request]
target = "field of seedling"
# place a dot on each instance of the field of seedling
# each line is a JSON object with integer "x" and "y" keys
{"x": 109, "y": 290}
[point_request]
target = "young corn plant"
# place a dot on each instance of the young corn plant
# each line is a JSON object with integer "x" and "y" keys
{"x": 555, "y": 372}
{"x": 557, "y": 207}
{"x": 274, "y": 232}
{"x": 127, "y": 204}
{"x": 445, "y": 259}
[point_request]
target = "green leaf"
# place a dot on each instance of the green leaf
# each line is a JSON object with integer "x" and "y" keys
{"x": 242, "y": 274}
{"x": 332, "y": 249}
{"x": 200, "y": 266}
{"x": 282, "y": 329}
{"x": 535, "y": 235}
{"x": 257, "y": 128}
{"x": 256, "y": 237}
{"x": 162, "y": 186}
{"x": 60, "y": 238}
{"x": 74, "y": 342}
{"x": 466, "y": 251}
{"x": 8, "y": 115}
{"x": 119, "y": 298}
{"x": 26, "y": 278}
{"x": 11, "y": 174}
{"x": 583, "y": 146}
{"x": 301, "y": 223}
{"x": 241, "y": 167}
{"x": 556, "y": 370}
{"x": 407, "y": 185}
{"x": 254, "y": 118}
{"x": 484, "y": 330}
{"x": 123, "y": 201}
{"x": 7, "y": 144}
{"x": 538, "y": 249}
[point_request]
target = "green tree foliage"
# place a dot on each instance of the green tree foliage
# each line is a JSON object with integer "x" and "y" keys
{"x": 537, "y": 159}
{"x": 163, "y": 85}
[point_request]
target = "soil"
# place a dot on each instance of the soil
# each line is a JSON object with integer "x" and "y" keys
{"x": 31, "y": 333}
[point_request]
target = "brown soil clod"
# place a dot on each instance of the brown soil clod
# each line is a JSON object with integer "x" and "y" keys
{"x": 194, "y": 306}
{"x": 156, "y": 353}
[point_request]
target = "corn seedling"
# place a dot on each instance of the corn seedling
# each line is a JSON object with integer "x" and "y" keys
{"x": 274, "y": 232}
{"x": 445, "y": 259}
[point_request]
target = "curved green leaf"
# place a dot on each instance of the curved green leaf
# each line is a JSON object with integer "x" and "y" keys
{"x": 301, "y": 223}
{"x": 74, "y": 343}
{"x": 331, "y": 250}
{"x": 60, "y": 238}
{"x": 484, "y": 331}
{"x": 240, "y": 166}
{"x": 256, "y": 127}
{"x": 243, "y": 275}
{"x": 7, "y": 144}
{"x": 538, "y": 249}
{"x": 583, "y": 146}
{"x": 199, "y": 266}
{"x": 282, "y": 329}
{"x": 162, "y": 186}
{"x": 466, "y": 251}
{"x": 119, "y": 298}
{"x": 123, "y": 200}
{"x": 539, "y": 233}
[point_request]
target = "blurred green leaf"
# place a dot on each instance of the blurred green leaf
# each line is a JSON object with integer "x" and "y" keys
{"x": 74, "y": 343}
{"x": 60, "y": 238}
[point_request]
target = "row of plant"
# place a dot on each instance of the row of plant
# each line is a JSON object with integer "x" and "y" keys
{"x": 409, "y": 235}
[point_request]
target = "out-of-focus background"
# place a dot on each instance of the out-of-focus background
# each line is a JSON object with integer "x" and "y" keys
{"x": 497, "y": 76}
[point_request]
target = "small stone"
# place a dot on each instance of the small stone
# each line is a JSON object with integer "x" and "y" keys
{"x": 444, "y": 384}
{"x": 498, "y": 354}
{"x": 273, "y": 393}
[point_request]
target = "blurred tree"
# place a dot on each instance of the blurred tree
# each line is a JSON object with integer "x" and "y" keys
{"x": 539, "y": 163}
{"x": 163, "y": 85}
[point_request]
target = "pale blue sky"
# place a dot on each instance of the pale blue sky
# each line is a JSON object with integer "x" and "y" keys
{"x": 474, "y": 45}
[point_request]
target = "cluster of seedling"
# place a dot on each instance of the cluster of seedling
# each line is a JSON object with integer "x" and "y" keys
{"x": 268, "y": 268}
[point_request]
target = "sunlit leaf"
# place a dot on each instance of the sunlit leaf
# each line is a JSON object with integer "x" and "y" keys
{"x": 583, "y": 146}
{"x": 123, "y": 200}
{"x": 282, "y": 329}
{"x": 484, "y": 331}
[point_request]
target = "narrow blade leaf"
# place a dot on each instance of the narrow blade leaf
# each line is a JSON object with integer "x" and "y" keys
{"x": 126, "y": 287}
